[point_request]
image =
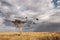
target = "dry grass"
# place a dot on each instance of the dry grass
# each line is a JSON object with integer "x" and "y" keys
{"x": 30, "y": 36}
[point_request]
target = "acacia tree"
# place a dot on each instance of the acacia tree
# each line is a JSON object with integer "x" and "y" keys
{"x": 18, "y": 24}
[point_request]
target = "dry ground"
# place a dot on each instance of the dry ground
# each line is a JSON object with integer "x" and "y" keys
{"x": 30, "y": 36}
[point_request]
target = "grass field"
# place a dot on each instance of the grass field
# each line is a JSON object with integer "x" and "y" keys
{"x": 30, "y": 36}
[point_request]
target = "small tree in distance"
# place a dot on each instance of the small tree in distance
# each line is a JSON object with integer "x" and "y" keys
{"x": 18, "y": 24}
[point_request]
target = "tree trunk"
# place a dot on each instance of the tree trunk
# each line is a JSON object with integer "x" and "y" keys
{"x": 20, "y": 28}
{"x": 20, "y": 31}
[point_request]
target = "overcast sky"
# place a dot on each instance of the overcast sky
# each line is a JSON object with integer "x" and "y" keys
{"x": 44, "y": 10}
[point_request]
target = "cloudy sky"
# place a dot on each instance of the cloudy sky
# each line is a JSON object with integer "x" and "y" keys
{"x": 47, "y": 11}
